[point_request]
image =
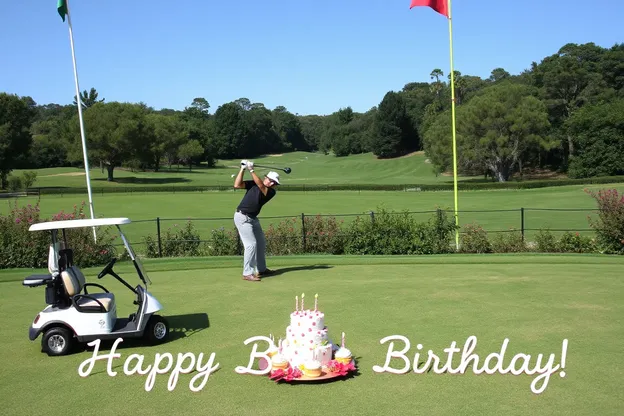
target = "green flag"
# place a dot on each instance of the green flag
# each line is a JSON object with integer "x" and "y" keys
{"x": 61, "y": 6}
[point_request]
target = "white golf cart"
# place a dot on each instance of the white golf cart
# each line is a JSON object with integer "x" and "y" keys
{"x": 73, "y": 313}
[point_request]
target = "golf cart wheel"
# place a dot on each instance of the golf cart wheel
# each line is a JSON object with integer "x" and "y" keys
{"x": 57, "y": 341}
{"x": 157, "y": 329}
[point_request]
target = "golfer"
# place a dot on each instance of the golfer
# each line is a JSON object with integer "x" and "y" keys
{"x": 259, "y": 192}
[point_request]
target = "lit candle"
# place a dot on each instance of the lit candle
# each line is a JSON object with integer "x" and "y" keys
{"x": 315, "y": 302}
{"x": 343, "y": 337}
{"x": 302, "y": 295}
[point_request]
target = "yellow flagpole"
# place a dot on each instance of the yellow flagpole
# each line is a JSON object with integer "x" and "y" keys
{"x": 450, "y": 20}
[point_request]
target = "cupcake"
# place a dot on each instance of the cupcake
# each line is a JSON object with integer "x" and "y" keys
{"x": 272, "y": 351}
{"x": 343, "y": 355}
{"x": 278, "y": 362}
{"x": 312, "y": 368}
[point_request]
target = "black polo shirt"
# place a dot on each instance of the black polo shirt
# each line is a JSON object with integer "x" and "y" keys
{"x": 254, "y": 199}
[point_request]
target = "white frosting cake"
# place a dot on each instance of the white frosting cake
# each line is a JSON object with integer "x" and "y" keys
{"x": 306, "y": 338}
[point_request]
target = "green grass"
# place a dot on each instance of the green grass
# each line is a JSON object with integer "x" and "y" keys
{"x": 535, "y": 301}
{"x": 220, "y": 206}
{"x": 307, "y": 168}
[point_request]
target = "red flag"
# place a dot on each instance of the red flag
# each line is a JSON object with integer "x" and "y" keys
{"x": 440, "y": 6}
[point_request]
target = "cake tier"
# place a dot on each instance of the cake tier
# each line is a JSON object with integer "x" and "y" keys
{"x": 307, "y": 319}
{"x": 306, "y": 337}
{"x": 298, "y": 355}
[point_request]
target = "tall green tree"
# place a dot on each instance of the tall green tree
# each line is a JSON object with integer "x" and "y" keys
{"x": 198, "y": 126}
{"x": 16, "y": 115}
{"x": 498, "y": 74}
{"x": 598, "y": 133}
{"x": 495, "y": 130}
{"x": 502, "y": 125}
{"x": 115, "y": 132}
{"x": 169, "y": 133}
{"x": 190, "y": 151}
{"x": 88, "y": 98}
{"x": 230, "y": 135}
{"x": 568, "y": 78}
{"x": 258, "y": 121}
{"x": 288, "y": 128}
{"x": 312, "y": 127}
{"x": 392, "y": 133}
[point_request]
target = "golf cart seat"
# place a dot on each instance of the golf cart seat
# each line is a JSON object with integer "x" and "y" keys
{"x": 74, "y": 283}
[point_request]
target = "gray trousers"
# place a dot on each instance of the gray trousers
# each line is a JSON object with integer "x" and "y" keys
{"x": 252, "y": 237}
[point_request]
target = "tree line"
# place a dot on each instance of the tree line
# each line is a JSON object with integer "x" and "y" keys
{"x": 565, "y": 113}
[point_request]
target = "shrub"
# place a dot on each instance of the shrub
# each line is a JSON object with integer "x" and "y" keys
{"x": 389, "y": 233}
{"x": 384, "y": 234}
{"x": 21, "y": 182}
{"x": 151, "y": 246}
{"x": 181, "y": 242}
{"x": 609, "y": 226}
{"x": 22, "y": 248}
{"x": 18, "y": 246}
{"x": 474, "y": 239}
{"x": 14, "y": 183}
{"x": 323, "y": 235}
{"x": 575, "y": 243}
{"x": 546, "y": 242}
{"x": 285, "y": 238}
{"x": 434, "y": 236}
{"x": 28, "y": 178}
{"x": 509, "y": 242}
{"x": 223, "y": 243}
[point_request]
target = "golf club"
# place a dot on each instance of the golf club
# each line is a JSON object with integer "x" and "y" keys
{"x": 286, "y": 170}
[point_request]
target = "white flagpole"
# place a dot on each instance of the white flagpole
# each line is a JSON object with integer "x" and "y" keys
{"x": 82, "y": 130}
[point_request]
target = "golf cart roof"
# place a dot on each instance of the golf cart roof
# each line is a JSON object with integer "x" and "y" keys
{"x": 57, "y": 225}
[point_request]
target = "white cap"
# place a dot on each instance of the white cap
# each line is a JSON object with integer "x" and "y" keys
{"x": 274, "y": 177}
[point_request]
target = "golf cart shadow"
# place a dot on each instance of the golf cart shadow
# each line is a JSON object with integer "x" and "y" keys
{"x": 180, "y": 326}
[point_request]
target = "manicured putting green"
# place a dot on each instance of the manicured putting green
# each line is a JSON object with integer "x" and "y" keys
{"x": 535, "y": 301}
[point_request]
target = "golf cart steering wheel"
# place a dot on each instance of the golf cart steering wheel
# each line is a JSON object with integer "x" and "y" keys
{"x": 108, "y": 268}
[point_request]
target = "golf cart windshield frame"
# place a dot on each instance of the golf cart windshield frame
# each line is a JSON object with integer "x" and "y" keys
{"x": 137, "y": 263}
{"x": 55, "y": 226}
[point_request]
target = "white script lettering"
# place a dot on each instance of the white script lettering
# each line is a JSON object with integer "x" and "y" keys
{"x": 163, "y": 363}
{"x": 544, "y": 371}
{"x": 254, "y": 355}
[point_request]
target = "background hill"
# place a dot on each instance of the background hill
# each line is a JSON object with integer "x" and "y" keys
{"x": 564, "y": 114}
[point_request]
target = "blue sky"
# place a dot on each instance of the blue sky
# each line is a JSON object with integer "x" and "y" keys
{"x": 311, "y": 57}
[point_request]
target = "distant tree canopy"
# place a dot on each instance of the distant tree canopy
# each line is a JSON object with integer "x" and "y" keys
{"x": 564, "y": 113}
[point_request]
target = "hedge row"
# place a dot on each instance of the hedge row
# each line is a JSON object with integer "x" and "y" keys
{"x": 390, "y": 234}
{"x": 385, "y": 233}
{"x": 463, "y": 186}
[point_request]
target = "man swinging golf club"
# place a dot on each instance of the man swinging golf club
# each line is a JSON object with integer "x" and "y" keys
{"x": 258, "y": 193}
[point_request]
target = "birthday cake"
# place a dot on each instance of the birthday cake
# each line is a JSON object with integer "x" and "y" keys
{"x": 307, "y": 345}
